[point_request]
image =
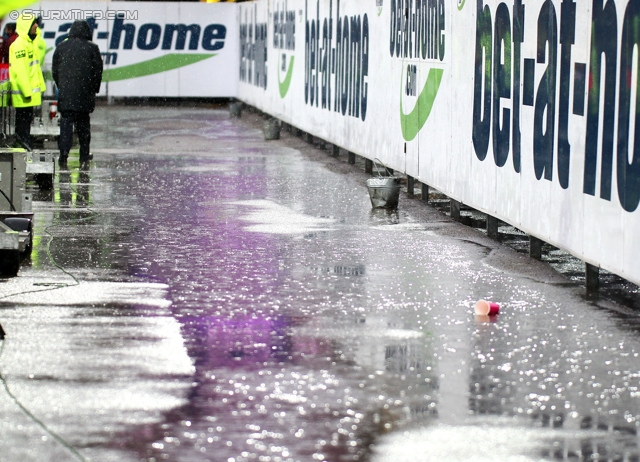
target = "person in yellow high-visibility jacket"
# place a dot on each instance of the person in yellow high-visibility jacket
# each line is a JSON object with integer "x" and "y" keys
{"x": 39, "y": 43}
{"x": 25, "y": 75}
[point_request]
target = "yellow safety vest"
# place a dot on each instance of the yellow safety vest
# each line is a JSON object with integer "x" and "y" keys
{"x": 25, "y": 72}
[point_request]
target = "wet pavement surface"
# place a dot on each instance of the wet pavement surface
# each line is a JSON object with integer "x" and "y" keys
{"x": 203, "y": 295}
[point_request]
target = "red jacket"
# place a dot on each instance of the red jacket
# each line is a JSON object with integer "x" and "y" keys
{"x": 5, "y": 47}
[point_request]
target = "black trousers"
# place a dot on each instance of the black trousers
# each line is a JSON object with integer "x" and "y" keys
{"x": 82, "y": 122}
{"x": 24, "y": 117}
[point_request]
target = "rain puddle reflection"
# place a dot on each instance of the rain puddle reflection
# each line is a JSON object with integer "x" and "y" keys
{"x": 320, "y": 329}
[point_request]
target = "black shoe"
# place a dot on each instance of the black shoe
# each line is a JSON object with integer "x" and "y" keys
{"x": 90, "y": 156}
{"x": 84, "y": 165}
{"x": 62, "y": 161}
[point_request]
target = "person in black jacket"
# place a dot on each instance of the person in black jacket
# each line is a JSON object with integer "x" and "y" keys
{"x": 77, "y": 71}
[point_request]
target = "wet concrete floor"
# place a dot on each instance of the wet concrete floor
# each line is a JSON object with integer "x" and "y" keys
{"x": 203, "y": 295}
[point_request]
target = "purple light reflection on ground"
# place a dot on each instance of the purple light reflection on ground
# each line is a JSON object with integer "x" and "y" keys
{"x": 321, "y": 344}
{"x": 230, "y": 294}
{"x": 240, "y": 343}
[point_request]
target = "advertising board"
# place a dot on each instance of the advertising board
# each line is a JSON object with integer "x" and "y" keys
{"x": 155, "y": 49}
{"x": 525, "y": 110}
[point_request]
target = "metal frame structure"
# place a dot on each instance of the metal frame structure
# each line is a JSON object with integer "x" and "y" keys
{"x": 16, "y": 164}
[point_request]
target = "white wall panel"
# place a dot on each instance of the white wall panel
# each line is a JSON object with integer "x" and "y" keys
{"x": 140, "y": 60}
{"x": 631, "y": 246}
{"x": 517, "y": 82}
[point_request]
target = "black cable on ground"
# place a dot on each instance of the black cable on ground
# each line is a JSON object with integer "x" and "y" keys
{"x": 57, "y": 286}
{"x": 26, "y": 411}
{"x": 52, "y": 260}
{"x": 13, "y": 209}
{"x": 35, "y": 419}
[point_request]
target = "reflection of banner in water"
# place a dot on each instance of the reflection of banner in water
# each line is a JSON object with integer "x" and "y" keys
{"x": 241, "y": 342}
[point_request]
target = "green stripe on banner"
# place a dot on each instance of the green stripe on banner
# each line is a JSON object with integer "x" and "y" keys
{"x": 154, "y": 66}
{"x": 413, "y": 122}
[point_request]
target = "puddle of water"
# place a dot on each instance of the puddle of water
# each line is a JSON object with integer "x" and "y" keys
{"x": 87, "y": 374}
{"x": 269, "y": 217}
{"x": 91, "y": 293}
{"x": 490, "y": 439}
{"x": 488, "y": 443}
{"x": 312, "y": 345}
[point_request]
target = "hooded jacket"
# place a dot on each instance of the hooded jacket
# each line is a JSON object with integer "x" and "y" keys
{"x": 77, "y": 70}
{"x": 40, "y": 45}
{"x": 25, "y": 73}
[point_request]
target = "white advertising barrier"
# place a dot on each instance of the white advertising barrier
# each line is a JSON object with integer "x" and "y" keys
{"x": 153, "y": 49}
{"x": 525, "y": 110}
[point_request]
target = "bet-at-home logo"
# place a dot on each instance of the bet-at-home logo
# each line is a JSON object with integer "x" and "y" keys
{"x": 559, "y": 91}
{"x": 337, "y": 61}
{"x": 182, "y": 44}
{"x": 253, "y": 49}
{"x": 284, "y": 40}
{"x": 417, "y": 36}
